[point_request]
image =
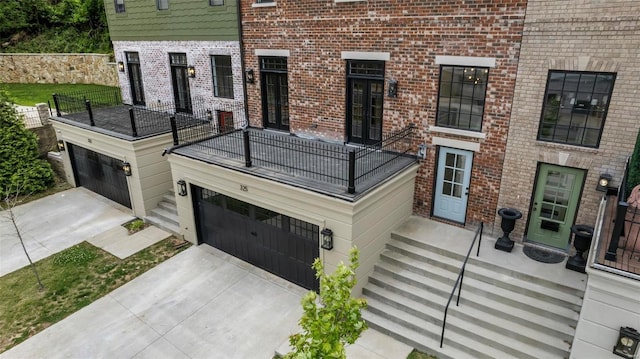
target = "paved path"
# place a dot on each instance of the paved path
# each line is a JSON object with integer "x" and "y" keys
{"x": 51, "y": 224}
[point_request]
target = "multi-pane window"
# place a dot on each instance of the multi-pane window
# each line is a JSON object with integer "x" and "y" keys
{"x": 275, "y": 92}
{"x": 216, "y": 2}
{"x": 461, "y": 97}
{"x": 163, "y": 4}
{"x": 222, "y": 76}
{"x": 119, "y": 4}
{"x": 264, "y": 1}
{"x": 575, "y": 107}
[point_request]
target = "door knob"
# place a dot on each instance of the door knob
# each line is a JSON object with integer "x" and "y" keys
{"x": 254, "y": 233}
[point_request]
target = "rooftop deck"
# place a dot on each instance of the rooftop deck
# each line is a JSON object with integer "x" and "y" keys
{"x": 338, "y": 170}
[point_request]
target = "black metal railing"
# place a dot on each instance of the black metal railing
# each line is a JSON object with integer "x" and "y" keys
{"x": 620, "y": 217}
{"x": 325, "y": 162}
{"x": 458, "y": 283}
{"x": 386, "y": 151}
{"x": 76, "y": 102}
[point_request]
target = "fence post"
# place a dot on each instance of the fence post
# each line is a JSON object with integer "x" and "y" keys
{"x": 174, "y": 130}
{"x": 352, "y": 172}
{"x": 132, "y": 116}
{"x": 87, "y": 104}
{"x": 612, "y": 251}
{"x": 56, "y": 103}
{"x": 247, "y": 148}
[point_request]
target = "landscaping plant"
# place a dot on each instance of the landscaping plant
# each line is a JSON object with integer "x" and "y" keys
{"x": 20, "y": 168}
{"x": 332, "y": 319}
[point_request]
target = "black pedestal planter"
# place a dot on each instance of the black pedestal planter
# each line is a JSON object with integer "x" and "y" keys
{"x": 509, "y": 217}
{"x": 582, "y": 236}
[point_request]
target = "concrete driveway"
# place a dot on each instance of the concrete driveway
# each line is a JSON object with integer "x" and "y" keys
{"x": 54, "y": 223}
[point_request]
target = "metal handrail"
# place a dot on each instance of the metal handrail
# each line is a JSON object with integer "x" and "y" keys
{"x": 458, "y": 283}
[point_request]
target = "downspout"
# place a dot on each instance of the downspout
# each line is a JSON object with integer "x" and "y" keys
{"x": 242, "y": 63}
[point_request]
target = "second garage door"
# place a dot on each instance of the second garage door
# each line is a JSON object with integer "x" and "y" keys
{"x": 100, "y": 174}
{"x": 280, "y": 244}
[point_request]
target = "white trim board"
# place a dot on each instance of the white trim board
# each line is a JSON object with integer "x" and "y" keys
{"x": 466, "y": 61}
{"x": 272, "y": 52}
{"x": 362, "y": 55}
{"x": 448, "y": 142}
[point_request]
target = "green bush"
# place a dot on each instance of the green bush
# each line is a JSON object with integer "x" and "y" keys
{"x": 335, "y": 321}
{"x": 21, "y": 171}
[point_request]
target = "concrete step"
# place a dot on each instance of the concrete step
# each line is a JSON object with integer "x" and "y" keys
{"x": 169, "y": 197}
{"x": 425, "y": 335}
{"x": 171, "y": 207}
{"x": 576, "y": 289}
{"x": 534, "y": 303}
{"x": 425, "y": 290}
{"x": 162, "y": 223}
{"x": 165, "y": 215}
{"x": 500, "y": 279}
{"x": 470, "y": 322}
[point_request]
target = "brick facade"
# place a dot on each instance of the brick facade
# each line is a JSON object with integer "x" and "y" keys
{"x": 156, "y": 75}
{"x": 574, "y": 36}
{"x": 315, "y": 33}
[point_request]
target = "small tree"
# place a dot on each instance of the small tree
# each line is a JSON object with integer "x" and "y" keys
{"x": 20, "y": 167}
{"x": 335, "y": 320}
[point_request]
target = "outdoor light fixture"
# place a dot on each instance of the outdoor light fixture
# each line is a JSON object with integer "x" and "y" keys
{"x": 327, "y": 239}
{"x": 191, "y": 71}
{"x": 603, "y": 182}
{"x": 126, "y": 168}
{"x": 182, "y": 188}
{"x": 60, "y": 146}
{"x": 393, "y": 88}
{"x": 120, "y": 66}
{"x": 422, "y": 151}
{"x": 627, "y": 344}
{"x": 250, "y": 76}
{"x": 209, "y": 115}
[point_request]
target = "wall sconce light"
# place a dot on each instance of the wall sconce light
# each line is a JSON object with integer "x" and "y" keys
{"x": 251, "y": 78}
{"x": 603, "y": 182}
{"x": 61, "y": 146}
{"x": 126, "y": 168}
{"x": 191, "y": 71}
{"x": 422, "y": 151}
{"x": 393, "y": 88}
{"x": 627, "y": 344}
{"x": 209, "y": 115}
{"x": 182, "y": 188}
{"x": 120, "y": 66}
{"x": 327, "y": 239}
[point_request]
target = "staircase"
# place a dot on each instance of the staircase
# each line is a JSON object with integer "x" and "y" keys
{"x": 165, "y": 215}
{"x": 503, "y": 312}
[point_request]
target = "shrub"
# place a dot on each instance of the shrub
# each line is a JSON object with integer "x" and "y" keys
{"x": 77, "y": 255}
{"x": 21, "y": 171}
{"x": 336, "y": 320}
{"x": 633, "y": 178}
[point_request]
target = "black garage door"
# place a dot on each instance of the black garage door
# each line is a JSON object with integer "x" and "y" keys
{"x": 99, "y": 173}
{"x": 282, "y": 245}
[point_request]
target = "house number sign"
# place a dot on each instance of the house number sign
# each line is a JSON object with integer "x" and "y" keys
{"x": 244, "y": 188}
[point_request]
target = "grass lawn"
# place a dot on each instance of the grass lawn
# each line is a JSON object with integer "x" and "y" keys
{"x": 415, "y": 354}
{"x": 73, "y": 279}
{"x": 31, "y": 94}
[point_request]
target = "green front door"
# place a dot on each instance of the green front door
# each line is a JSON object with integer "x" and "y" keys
{"x": 555, "y": 203}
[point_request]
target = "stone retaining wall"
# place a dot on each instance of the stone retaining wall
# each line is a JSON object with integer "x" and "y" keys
{"x": 58, "y": 68}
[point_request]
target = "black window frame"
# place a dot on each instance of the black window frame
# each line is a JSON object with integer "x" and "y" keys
{"x": 569, "y": 102}
{"x": 222, "y": 81}
{"x": 158, "y": 5}
{"x": 213, "y": 2}
{"x": 477, "y": 76}
{"x": 275, "y": 67}
{"x": 264, "y": 1}
{"x": 120, "y": 8}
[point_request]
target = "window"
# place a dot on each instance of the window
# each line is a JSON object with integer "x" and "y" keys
{"x": 264, "y": 1}
{"x": 163, "y": 4}
{"x": 275, "y": 92}
{"x": 365, "y": 98}
{"x": 575, "y": 107}
{"x": 119, "y": 6}
{"x": 461, "y": 97}
{"x": 222, "y": 76}
{"x": 135, "y": 78}
{"x": 216, "y": 2}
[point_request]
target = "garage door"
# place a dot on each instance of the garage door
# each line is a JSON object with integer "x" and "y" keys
{"x": 100, "y": 174}
{"x": 280, "y": 244}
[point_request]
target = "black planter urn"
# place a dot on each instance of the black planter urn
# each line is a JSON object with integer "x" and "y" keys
{"x": 582, "y": 236}
{"x": 509, "y": 217}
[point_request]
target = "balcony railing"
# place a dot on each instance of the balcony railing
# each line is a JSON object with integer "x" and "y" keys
{"x": 350, "y": 168}
{"x": 105, "y": 110}
{"x": 618, "y": 246}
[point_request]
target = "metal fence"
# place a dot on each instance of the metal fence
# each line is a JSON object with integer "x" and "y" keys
{"x": 36, "y": 116}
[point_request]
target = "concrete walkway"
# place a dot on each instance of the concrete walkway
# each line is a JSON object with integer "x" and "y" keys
{"x": 51, "y": 224}
{"x": 201, "y": 303}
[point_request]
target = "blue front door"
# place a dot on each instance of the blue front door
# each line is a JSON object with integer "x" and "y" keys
{"x": 452, "y": 184}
